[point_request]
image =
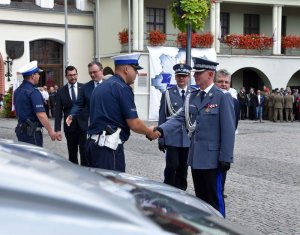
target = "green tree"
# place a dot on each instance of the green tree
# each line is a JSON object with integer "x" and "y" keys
{"x": 7, "y": 104}
{"x": 193, "y": 12}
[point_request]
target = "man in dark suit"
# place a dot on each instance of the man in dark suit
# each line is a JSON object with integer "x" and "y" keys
{"x": 76, "y": 132}
{"x": 210, "y": 120}
{"x": 83, "y": 102}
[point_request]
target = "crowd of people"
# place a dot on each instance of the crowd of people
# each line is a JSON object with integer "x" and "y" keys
{"x": 276, "y": 105}
{"x": 196, "y": 126}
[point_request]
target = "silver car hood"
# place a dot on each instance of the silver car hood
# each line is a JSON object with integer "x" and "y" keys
{"x": 43, "y": 193}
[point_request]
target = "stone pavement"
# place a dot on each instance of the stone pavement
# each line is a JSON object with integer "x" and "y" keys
{"x": 263, "y": 184}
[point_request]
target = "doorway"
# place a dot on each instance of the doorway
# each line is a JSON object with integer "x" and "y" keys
{"x": 49, "y": 55}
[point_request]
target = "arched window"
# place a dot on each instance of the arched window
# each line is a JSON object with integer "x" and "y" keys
{"x": 49, "y": 55}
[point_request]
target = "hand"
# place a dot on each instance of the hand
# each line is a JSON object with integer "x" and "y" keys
{"x": 162, "y": 147}
{"x": 224, "y": 166}
{"x": 160, "y": 130}
{"x": 152, "y": 134}
{"x": 52, "y": 135}
{"x": 59, "y": 136}
{"x": 69, "y": 120}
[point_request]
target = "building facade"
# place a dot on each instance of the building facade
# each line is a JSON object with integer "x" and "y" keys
{"x": 93, "y": 27}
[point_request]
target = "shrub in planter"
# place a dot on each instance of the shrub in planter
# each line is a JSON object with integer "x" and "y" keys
{"x": 290, "y": 41}
{"x": 123, "y": 36}
{"x": 156, "y": 38}
{"x": 249, "y": 41}
{"x": 7, "y": 104}
{"x": 198, "y": 40}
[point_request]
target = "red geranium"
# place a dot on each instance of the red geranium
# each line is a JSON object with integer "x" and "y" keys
{"x": 156, "y": 38}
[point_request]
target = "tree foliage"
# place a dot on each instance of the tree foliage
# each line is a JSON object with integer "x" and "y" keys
{"x": 193, "y": 12}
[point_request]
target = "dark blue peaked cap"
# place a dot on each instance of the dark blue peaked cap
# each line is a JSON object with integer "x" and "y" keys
{"x": 202, "y": 64}
{"x": 184, "y": 69}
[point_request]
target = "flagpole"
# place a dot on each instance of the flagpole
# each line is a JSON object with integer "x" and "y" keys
{"x": 66, "y": 34}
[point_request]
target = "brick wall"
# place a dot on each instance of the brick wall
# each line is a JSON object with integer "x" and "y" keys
{"x": 2, "y": 78}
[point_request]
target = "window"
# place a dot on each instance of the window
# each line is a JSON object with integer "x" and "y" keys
{"x": 224, "y": 18}
{"x": 156, "y": 19}
{"x": 251, "y": 24}
{"x": 32, "y": 1}
{"x": 62, "y": 2}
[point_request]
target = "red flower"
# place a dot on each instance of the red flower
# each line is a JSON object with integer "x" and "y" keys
{"x": 198, "y": 40}
{"x": 123, "y": 36}
{"x": 249, "y": 41}
{"x": 156, "y": 38}
{"x": 290, "y": 41}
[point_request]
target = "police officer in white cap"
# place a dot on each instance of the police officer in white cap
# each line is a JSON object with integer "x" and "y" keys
{"x": 176, "y": 145}
{"x": 113, "y": 114}
{"x": 30, "y": 109}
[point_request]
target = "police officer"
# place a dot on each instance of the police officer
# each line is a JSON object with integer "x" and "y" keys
{"x": 113, "y": 114}
{"x": 209, "y": 116}
{"x": 177, "y": 144}
{"x": 30, "y": 109}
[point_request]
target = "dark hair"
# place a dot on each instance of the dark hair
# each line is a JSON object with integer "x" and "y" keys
{"x": 100, "y": 66}
{"x": 108, "y": 70}
{"x": 70, "y": 68}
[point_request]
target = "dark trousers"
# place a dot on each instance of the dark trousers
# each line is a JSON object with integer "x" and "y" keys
{"x": 243, "y": 110}
{"x": 76, "y": 139}
{"x": 105, "y": 158}
{"x": 208, "y": 185}
{"x": 36, "y": 139}
{"x": 176, "y": 167}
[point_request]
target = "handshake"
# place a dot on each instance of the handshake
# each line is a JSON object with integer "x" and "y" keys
{"x": 154, "y": 133}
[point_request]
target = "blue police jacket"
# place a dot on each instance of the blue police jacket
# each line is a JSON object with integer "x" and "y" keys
{"x": 213, "y": 138}
{"x": 111, "y": 103}
{"x": 28, "y": 101}
{"x": 179, "y": 137}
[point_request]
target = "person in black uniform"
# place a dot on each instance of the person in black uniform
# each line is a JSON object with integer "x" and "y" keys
{"x": 76, "y": 132}
{"x": 176, "y": 145}
{"x": 113, "y": 114}
{"x": 30, "y": 109}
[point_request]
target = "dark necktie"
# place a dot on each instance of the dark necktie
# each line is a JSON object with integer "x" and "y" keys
{"x": 182, "y": 94}
{"x": 73, "y": 94}
{"x": 202, "y": 94}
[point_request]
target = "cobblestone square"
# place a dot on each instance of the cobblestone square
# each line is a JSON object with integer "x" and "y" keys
{"x": 263, "y": 184}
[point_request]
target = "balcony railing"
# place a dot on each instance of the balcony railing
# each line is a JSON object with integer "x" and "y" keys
{"x": 171, "y": 41}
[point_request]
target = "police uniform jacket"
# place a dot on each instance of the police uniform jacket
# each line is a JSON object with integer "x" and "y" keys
{"x": 112, "y": 102}
{"x": 213, "y": 138}
{"x": 63, "y": 105}
{"x": 179, "y": 137}
{"x": 28, "y": 101}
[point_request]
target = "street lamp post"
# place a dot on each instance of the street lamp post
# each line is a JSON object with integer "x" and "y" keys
{"x": 8, "y": 62}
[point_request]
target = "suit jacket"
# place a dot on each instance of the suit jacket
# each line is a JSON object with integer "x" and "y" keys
{"x": 261, "y": 101}
{"x": 179, "y": 137}
{"x": 214, "y": 135}
{"x": 63, "y": 106}
{"x": 83, "y": 99}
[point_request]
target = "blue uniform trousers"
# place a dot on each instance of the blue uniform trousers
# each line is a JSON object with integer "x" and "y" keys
{"x": 36, "y": 139}
{"x": 176, "y": 167}
{"x": 208, "y": 185}
{"x": 105, "y": 158}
